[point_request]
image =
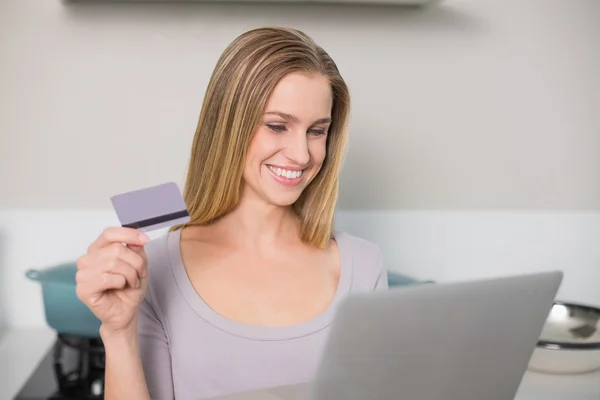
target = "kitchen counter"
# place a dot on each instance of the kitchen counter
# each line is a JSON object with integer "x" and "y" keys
{"x": 20, "y": 352}
{"x": 22, "y": 349}
{"x": 536, "y": 386}
{"x": 533, "y": 387}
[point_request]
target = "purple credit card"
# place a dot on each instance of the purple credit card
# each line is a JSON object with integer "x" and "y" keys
{"x": 151, "y": 208}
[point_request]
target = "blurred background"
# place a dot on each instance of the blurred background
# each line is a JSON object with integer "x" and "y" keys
{"x": 474, "y": 150}
{"x": 475, "y": 133}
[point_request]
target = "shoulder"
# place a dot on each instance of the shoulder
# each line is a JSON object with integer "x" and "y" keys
{"x": 366, "y": 259}
{"x": 157, "y": 249}
{"x": 363, "y": 251}
{"x": 160, "y": 253}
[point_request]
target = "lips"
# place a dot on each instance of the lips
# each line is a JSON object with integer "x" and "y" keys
{"x": 286, "y": 177}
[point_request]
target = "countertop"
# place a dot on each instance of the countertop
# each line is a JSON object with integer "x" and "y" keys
{"x": 22, "y": 349}
{"x": 534, "y": 386}
{"x": 20, "y": 352}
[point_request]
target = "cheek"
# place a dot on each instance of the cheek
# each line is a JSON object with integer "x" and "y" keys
{"x": 256, "y": 148}
{"x": 263, "y": 146}
{"x": 318, "y": 150}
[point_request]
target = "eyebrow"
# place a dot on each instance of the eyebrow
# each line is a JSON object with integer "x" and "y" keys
{"x": 293, "y": 118}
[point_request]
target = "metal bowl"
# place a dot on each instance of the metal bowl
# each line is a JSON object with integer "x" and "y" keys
{"x": 569, "y": 342}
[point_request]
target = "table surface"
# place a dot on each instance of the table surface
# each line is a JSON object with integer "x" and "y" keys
{"x": 22, "y": 349}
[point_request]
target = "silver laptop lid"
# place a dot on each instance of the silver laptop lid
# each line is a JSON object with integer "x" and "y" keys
{"x": 455, "y": 341}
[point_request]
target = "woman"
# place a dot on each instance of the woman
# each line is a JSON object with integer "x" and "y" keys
{"x": 241, "y": 297}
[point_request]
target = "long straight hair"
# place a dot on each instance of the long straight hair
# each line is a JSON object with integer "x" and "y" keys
{"x": 239, "y": 88}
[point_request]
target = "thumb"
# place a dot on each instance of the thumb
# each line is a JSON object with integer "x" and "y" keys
{"x": 137, "y": 249}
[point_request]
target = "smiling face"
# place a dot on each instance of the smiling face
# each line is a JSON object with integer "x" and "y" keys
{"x": 289, "y": 147}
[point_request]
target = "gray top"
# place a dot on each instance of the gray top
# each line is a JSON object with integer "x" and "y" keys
{"x": 191, "y": 352}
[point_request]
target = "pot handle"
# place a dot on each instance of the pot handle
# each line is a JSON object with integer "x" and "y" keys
{"x": 33, "y": 274}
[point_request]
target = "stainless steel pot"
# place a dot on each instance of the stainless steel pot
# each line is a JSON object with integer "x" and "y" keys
{"x": 570, "y": 340}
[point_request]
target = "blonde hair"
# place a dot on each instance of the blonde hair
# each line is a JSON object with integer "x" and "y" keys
{"x": 234, "y": 103}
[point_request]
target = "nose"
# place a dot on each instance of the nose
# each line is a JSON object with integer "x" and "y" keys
{"x": 296, "y": 149}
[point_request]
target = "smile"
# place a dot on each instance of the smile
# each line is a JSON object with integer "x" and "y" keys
{"x": 285, "y": 173}
{"x": 286, "y": 176}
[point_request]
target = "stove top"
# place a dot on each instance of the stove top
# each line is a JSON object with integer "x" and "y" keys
{"x": 72, "y": 369}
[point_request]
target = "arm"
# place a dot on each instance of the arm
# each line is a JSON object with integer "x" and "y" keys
{"x": 124, "y": 376}
{"x": 138, "y": 361}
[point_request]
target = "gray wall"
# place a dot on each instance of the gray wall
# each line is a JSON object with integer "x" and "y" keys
{"x": 472, "y": 104}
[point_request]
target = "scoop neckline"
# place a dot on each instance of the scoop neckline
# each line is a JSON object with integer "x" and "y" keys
{"x": 252, "y": 332}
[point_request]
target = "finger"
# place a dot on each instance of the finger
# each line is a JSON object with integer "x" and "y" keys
{"x": 106, "y": 260}
{"x": 137, "y": 249}
{"x": 116, "y": 267}
{"x": 136, "y": 260}
{"x": 120, "y": 267}
{"x": 119, "y": 235}
{"x": 103, "y": 282}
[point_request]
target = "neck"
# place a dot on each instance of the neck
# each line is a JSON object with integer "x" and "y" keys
{"x": 255, "y": 222}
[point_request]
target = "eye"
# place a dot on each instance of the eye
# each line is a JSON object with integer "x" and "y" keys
{"x": 318, "y": 131}
{"x": 276, "y": 127}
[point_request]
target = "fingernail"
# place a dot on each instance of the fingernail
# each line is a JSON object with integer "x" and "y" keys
{"x": 143, "y": 238}
{"x": 137, "y": 284}
{"x": 144, "y": 272}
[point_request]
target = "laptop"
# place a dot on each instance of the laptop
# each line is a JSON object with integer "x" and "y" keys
{"x": 468, "y": 340}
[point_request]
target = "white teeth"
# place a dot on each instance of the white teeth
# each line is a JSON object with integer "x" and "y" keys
{"x": 286, "y": 173}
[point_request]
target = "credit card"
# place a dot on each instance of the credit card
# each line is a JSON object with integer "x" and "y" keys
{"x": 151, "y": 208}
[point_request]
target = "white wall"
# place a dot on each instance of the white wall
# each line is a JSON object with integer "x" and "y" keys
{"x": 475, "y": 128}
{"x": 470, "y": 105}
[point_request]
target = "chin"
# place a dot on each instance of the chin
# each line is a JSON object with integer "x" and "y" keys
{"x": 282, "y": 199}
